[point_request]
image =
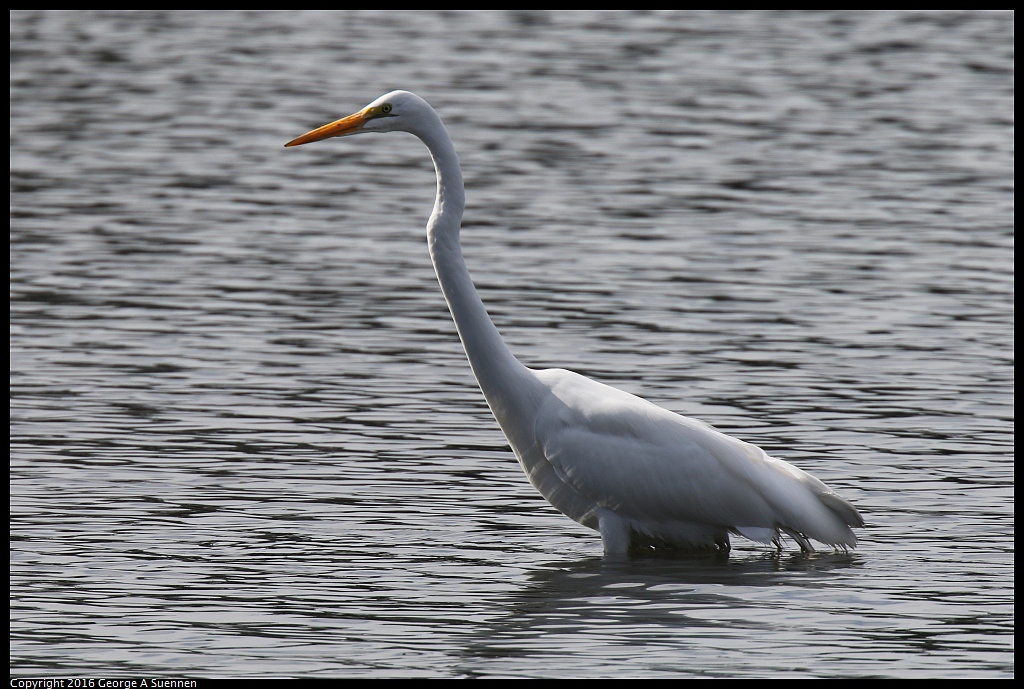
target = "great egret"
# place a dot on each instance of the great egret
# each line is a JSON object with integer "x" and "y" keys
{"x": 640, "y": 475}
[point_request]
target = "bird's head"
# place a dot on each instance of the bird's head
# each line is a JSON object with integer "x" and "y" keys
{"x": 395, "y": 111}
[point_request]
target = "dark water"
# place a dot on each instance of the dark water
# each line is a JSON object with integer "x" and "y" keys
{"x": 244, "y": 437}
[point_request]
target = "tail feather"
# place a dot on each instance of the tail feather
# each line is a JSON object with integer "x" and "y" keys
{"x": 843, "y": 509}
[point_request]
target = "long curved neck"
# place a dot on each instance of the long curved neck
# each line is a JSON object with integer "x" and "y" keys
{"x": 500, "y": 376}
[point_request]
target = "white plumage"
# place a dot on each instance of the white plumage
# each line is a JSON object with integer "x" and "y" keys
{"x": 638, "y": 473}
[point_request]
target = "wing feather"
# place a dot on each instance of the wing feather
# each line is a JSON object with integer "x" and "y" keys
{"x": 651, "y": 465}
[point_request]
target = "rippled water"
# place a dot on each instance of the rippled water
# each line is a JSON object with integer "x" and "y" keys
{"x": 244, "y": 437}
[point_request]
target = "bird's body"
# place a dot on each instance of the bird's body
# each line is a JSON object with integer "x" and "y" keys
{"x": 639, "y": 474}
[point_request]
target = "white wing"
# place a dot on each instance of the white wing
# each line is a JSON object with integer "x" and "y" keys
{"x": 674, "y": 478}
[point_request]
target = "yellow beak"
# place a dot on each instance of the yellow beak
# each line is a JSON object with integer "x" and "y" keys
{"x": 343, "y": 127}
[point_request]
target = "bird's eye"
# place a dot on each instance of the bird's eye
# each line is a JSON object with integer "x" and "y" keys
{"x": 386, "y": 108}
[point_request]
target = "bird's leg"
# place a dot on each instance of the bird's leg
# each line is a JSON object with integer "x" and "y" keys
{"x": 615, "y": 532}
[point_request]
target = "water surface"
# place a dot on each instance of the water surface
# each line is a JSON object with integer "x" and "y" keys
{"x": 245, "y": 440}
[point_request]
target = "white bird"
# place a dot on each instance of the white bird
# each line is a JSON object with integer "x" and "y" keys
{"x": 639, "y": 474}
